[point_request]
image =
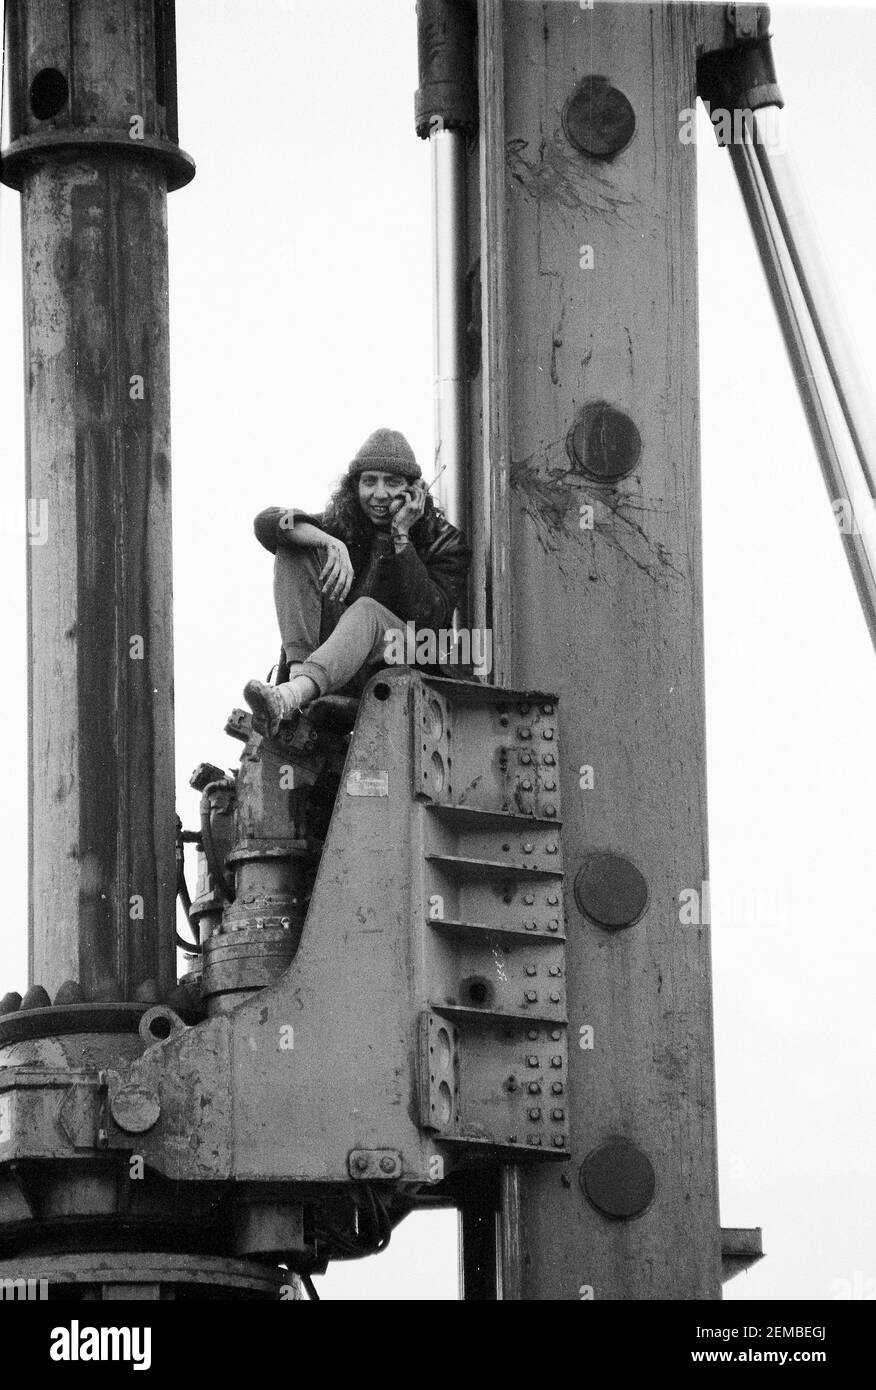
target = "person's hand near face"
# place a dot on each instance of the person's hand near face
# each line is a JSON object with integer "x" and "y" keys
{"x": 407, "y": 509}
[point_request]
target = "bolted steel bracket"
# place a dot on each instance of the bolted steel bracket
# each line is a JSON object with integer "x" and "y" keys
{"x": 368, "y": 1165}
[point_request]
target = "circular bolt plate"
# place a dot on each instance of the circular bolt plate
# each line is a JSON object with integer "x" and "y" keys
{"x": 135, "y": 1108}
{"x": 610, "y": 890}
{"x": 598, "y": 119}
{"x": 617, "y": 1179}
{"x": 604, "y": 443}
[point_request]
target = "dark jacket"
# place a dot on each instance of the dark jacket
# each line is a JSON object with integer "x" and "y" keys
{"x": 423, "y": 584}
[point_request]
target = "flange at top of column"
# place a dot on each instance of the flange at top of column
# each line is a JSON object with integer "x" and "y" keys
{"x": 79, "y": 88}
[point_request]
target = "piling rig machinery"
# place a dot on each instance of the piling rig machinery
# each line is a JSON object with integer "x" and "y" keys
{"x": 404, "y": 905}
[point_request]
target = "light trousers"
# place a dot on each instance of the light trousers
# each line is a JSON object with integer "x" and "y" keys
{"x": 324, "y": 639}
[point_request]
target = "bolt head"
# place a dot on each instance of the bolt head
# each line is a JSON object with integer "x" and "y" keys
{"x": 530, "y": 996}
{"x": 534, "y": 1112}
{"x": 532, "y": 1061}
{"x": 611, "y": 890}
{"x": 556, "y": 1061}
{"x": 618, "y": 1179}
{"x": 603, "y": 442}
{"x": 534, "y": 1089}
{"x": 135, "y": 1108}
{"x": 556, "y": 1088}
{"x": 387, "y": 1164}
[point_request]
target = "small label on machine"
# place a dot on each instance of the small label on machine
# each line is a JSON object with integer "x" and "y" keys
{"x": 361, "y": 783}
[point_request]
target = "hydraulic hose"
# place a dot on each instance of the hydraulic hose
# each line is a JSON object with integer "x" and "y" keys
{"x": 182, "y": 890}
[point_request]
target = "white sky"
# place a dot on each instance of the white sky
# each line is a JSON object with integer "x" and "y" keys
{"x": 301, "y": 319}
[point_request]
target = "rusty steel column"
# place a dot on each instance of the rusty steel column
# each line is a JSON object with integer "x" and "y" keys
{"x": 92, "y": 147}
{"x": 587, "y": 524}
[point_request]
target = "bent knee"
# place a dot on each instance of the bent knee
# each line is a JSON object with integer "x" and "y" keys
{"x": 371, "y": 608}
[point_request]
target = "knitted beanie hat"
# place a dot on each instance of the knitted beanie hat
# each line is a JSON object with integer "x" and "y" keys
{"x": 386, "y": 451}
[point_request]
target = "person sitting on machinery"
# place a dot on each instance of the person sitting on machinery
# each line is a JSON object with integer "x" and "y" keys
{"x": 382, "y": 554}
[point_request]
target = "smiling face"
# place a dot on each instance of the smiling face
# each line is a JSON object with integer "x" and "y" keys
{"x": 377, "y": 492}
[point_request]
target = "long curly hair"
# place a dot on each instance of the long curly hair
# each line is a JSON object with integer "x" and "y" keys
{"x": 344, "y": 517}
